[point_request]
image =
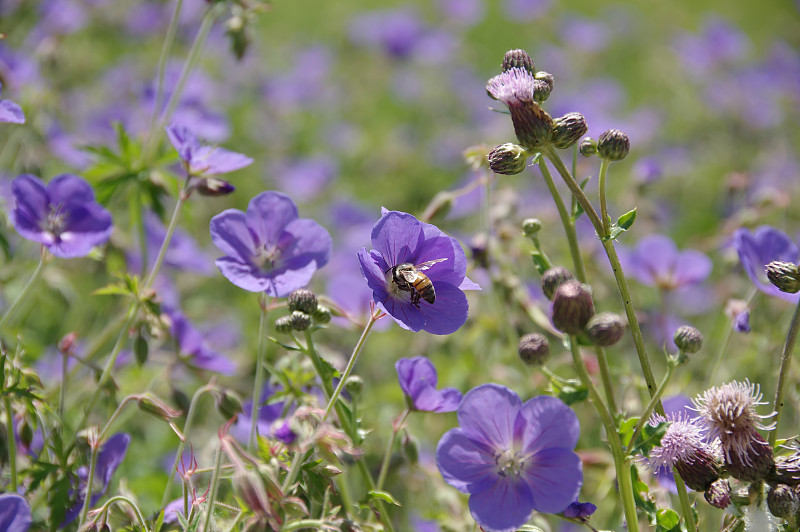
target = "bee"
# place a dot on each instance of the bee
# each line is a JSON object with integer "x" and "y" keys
{"x": 408, "y": 277}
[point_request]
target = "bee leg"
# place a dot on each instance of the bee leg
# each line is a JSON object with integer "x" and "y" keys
{"x": 415, "y": 299}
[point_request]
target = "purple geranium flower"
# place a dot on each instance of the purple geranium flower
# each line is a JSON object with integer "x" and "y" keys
{"x": 204, "y": 160}
{"x": 108, "y": 460}
{"x": 63, "y": 216}
{"x": 192, "y": 345}
{"x": 269, "y": 249}
{"x": 400, "y": 239}
{"x": 580, "y": 510}
{"x": 759, "y": 248}
{"x": 512, "y": 457}
{"x": 15, "y": 513}
{"x": 10, "y": 112}
{"x": 418, "y": 380}
{"x": 656, "y": 261}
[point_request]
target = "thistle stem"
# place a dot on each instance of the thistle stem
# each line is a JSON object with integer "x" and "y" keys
{"x": 652, "y": 404}
{"x": 786, "y": 361}
{"x": 26, "y": 290}
{"x": 603, "y": 204}
{"x": 259, "y": 380}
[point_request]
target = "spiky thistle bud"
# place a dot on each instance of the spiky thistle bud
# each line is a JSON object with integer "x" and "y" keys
{"x": 605, "y": 329}
{"x": 531, "y": 226}
{"x": 784, "y": 275}
{"x": 534, "y": 349}
{"x": 284, "y": 324}
{"x": 553, "y": 278}
{"x": 568, "y": 129}
{"x": 572, "y": 307}
{"x": 719, "y": 494}
{"x": 321, "y": 315}
{"x": 542, "y": 90}
{"x": 613, "y": 145}
{"x": 303, "y": 300}
{"x": 300, "y": 320}
{"x": 787, "y": 470}
{"x": 588, "y": 147}
{"x": 518, "y": 59}
{"x": 508, "y": 159}
{"x": 729, "y": 413}
{"x": 688, "y": 339}
{"x": 684, "y": 447}
{"x": 783, "y": 502}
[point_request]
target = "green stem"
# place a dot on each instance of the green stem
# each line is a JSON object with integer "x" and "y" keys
{"x": 120, "y": 498}
{"x": 786, "y": 361}
{"x": 62, "y": 393}
{"x": 11, "y": 443}
{"x": 89, "y": 482}
{"x": 396, "y": 426}
{"x": 652, "y": 404}
{"x": 259, "y": 380}
{"x": 173, "y": 224}
{"x": 603, "y": 204}
{"x": 686, "y": 505}
{"x": 297, "y": 461}
{"x": 212, "y": 496}
{"x": 575, "y": 188}
{"x": 25, "y": 290}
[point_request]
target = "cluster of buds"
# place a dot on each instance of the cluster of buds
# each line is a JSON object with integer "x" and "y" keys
{"x": 613, "y": 145}
{"x": 573, "y": 309}
{"x": 783, "y": 498}
{"x": 304, "y": 311}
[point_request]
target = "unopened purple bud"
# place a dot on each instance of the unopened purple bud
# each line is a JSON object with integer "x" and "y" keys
{"x": 754, "y": 464}
{"x": 700, "y": 471}
{"x": 303, "y": 300}
{"x": 553, "y": 278}
{"x": 688, "y": 339}
{"x": 568, "y": 129}
{"x": 518, "y": 59}
{"x": 588, "y": 147}
{"x": 605, "y": 329}
{"x": 212, "y": 186}
{"x": 572, "y": 307}
{"x": 508, "y": 159}
{"x": 784, "y": 275}
{"x": 613, "y": 145}
{"x": 532, "y": 124}
{"x": 719, "y": 494}
{"x": 534, "y": 349}
{"x": 783, "y": 502}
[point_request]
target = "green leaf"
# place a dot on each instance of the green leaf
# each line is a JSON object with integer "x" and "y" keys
{"x": 625, "y": 221}
{"x": 283, "y": 345}
{"x": 570, "y": 391}
{"x": 667, "y": 520}
{"x": 379, "y": 495}
{"x": 626, "y": 430}
{"x": 650, "y": 437}
{"x": 540, "y": 262}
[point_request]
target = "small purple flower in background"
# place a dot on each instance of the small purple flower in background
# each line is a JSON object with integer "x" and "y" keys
{"x": 418, "y": 380}
{"x": 399, "y": 240}
{"x": 580, "y": 510}
{"x": 15, "y": 513}
{"x": 656, "y": 261}
{"x": 63, "y": 216}
{"x": 204, "y": 160}
{"x": 183, "y": 253}
{"x": 268, "y": 248}
{"x": 512, "y": 457}
{"x": 739, "y": 313}
{"x": 10, "y": 112}
{"x": 108, "y": 460}
{"x": 757, "y": 249}
{"x": 193, "y": 346}
{"x": 268, "y": 416}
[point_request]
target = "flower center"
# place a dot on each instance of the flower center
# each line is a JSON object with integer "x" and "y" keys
{"x": 55, "y": 221}
{"x": 267, "y": 256}
{"x": 510, "y": 463}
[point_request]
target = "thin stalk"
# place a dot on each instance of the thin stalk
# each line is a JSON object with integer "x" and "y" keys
{"x": 11, "y": 443}
{"x": 652, "y": 404}
{"x": 396, "y": 426}
{"x": 686, "y": 505}
{"x": 723, "y": 345}
{"x": 786, "y": 361}
{"x": 297, "y": 461}
{"x": 89, "y": 482}
{"x": 120, "y": 498}
{"x": 212, "y": 496}
{"x": 575, "y": 188}
{"x": 62, "y": 393}
{"x": 173, "y": 224}
{"x": 603, "y": 204}
{"x": 25, "y": 290}
{"x": 259, "y": 380}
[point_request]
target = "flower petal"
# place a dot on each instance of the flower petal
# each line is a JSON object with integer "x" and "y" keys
{"x": 449, "y": 311}
{"x": 450, "y": 400}
{"x": 396, "y": 236}
{"x": 268, "y": 214}
{"x": 11, "y": 113}
{"x": 31, "y": 206}
{"x": 231, "y": 234}
{"x": 555, "y": 477}
{"x": 692, "y": 267}
{"x": 309, "y": 239}
{"x": 15, "y": 513}
{"x": 242, "y": 274}
{"x": 464, "y": 463}
{"x": 415, "y": 374}
{"x": 488, "y": 414}
{"x": 503, "y": 507}
{"x": 69, "y": 188}
{"x": 547, "y": 421}
{"x": 761, "y": 247}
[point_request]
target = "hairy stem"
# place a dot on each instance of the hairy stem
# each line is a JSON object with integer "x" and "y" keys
{"x": 259, "y": 380}
{"x": 786, "y": 361}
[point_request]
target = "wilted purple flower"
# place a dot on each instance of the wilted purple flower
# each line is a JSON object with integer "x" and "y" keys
{"x": 193, "y": 346}
{"x": 15, "y": 513}
{"x": 204, "y": 160}
{"x": 400, "y": 239}
{"x": 512, "y": 457}
{"x": 10, "y": 112}
{"x": 418, "y": 380}
{"x": 656, "y": 261}
{"x": 759, "y": 248}
{"x": 108, "y": 460}
{"x": 580, "y": 510}
{"x": 63, "y": 216}
{"x": 268, "y": 248}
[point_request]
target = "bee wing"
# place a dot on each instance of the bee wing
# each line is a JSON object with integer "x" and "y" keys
{"x": 426, "y": 265}
{"x": 409, "y": 276}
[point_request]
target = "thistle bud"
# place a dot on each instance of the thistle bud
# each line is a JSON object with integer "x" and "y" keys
{"x": 213, "y": 187}
{"x": 531, "y": 226}
{"x": 284, "y": 324}
{"x": 534, "y": 349}
{"x": 541, "y": 91}
{"x": 588, "y": 147}
{"x": 228, "y": 404}
{"x": 354, "y": 385}
{"x": 605, "y": 329}
{"x": 321, "y": 315}
{"x": 784, "y": 275}
{"x": 783, "y": 502}
{"x": 787, "y": 470}
{"x": 568, "y": 129}
{"x": 508, "y": 159}
{"x": 700, "y": 471}
{"x": 613, "y": 145}
{"x": 153, "y": 405}
{"x": 688, "y": 339}
{"x": 532, "y": 125}
{"x": 754, "y": 463}
{"x": 719, "y": 494}
{"x": 300, "y": 320}
{"x": 553, "y": 278}
{"x": 518, "y": 59}
{"x": 572, "y": 307}
{"x": 303, "y": 300}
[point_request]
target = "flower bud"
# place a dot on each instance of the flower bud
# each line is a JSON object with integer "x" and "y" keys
{"x": 303, "y": 300}
{"x": 699, "y": 471}
{"x": 321, "y": 315}
{"x": 719, "y": 494}
{"x": 354, "y": 385}
{"x": 784, "y": 275}
{"x": 518, "y": 59}
{"x": 411, "y": 449}
{"x": 228, "y": 404}
{"x": 568, "y": 129}
{"x": 211, "y": 186}
{"x": 508, "y": 159}
{"x": 541, "y": 91}
{"x": 284, "y": 433}
{"x": 532, "y": 125}
{"x": 284, "y": 324}
{"x": 787, "y": 470}
{"x": 613, "y": 145}
{"x": 249, "y": 487}
{"x": 300, "y": 320}
{"x": 783, "y": 501}
{"x": 153, "y": 405}
{"x": 531, "y": 226}
{"x": 534, "y": 349}
{"x": 553, "y": 278}
{"x": 67, "y": 343}
{"x": 754, "y": 463}
{"x": 572, "y": 307}
{"x": 180, "y": 398}
{"x": 688, "y": 339}
{"x": 329, "y": 471}
{"x": 605, "y": 329}
{"x": 588, "y": 147}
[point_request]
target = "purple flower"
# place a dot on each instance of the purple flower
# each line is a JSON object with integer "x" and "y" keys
{"x": 512, "y": 457}
{"x": 10, "y": 112}
{"x": 269, "y": 249}
{"x": 63, "y": 216}
{"x": 192, "y": 345}
{"x": 656, "y": 261}
{"x": 400, "y": 239}
{"x": 268, "y": 416}
{"x": 108, "y": 460}
{"x": 759, "y": 248}
{"x": 580, "y": 510}
{"x": 15, "y": 513}
{"x": 418, "y": 380}
{"x": 204, "y": 160}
